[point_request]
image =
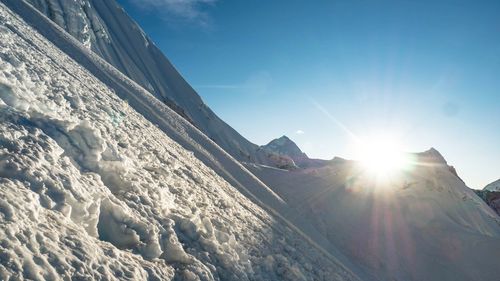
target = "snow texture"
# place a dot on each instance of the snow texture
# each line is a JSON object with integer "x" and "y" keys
{"x": 90, "y": 189}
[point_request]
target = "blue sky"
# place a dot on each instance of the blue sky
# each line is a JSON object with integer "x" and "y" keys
{"x": 425, "y": 72}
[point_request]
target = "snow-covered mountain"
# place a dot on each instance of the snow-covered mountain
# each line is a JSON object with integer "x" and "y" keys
{"x": 494, "y": 186}
{"x": 106, "y": 29}
{"x": 95, "y": 183}
{"x": 111, "y": 167}
{"x": 424, "y": 224}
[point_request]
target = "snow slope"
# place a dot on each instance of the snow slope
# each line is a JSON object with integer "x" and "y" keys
{"x": 91, "y": 189}
{"x": 179, "y": 130}
{"x": 106, "y": 29}
{"x": 424, "y": 224}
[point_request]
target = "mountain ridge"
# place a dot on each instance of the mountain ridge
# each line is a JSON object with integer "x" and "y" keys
{"x": 133, "y": 53}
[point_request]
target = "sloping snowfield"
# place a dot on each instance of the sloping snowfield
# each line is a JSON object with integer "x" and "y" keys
{"x": 423, "y": 224}
{"x": 90, "y": 189}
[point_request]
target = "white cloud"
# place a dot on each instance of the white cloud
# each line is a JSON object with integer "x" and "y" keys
{"x": 300, "y": 132}
{"x": 186, "y": 10}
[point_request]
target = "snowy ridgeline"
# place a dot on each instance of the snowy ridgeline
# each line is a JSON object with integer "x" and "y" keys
{"x": 106, "y": 29}
{"x": 89, "y": 189}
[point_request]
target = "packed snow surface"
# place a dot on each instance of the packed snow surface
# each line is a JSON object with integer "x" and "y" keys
{"x": 90, "y": 189}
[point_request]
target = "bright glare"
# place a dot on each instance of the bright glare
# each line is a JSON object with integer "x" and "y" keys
{"x": 382, "y": 156}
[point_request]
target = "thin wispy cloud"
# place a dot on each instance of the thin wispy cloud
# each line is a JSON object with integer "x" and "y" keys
{"x": 174, "y": 11}
{"x": 299, "y": 132}
{"x": 219, "y": 86}
{"x": 258, "y": 83}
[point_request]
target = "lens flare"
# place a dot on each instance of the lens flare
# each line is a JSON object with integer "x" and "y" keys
{"x": 382, "y": 157}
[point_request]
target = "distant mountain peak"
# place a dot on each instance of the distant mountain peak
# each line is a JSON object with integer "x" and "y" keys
{"x": 494, "y": 186}
{"x": 284, "y": 146}
{"x": 287, "y": 148}
{"x": 284, "y": 137}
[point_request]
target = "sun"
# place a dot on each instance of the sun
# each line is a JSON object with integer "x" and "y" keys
{"x": 382, "y": 156}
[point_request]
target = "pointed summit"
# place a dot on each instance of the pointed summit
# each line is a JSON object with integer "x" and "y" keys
{"x": 431, "y": 156}
{"x": 434, "y": 157}
{"x": 285, "y": 146}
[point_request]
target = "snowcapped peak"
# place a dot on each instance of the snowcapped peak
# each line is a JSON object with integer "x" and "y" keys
{"x": 284, "y": 137}
{"x": 282, "y": 140}
{"x": 494, "y": 186}
{"x": 284, "y": 146}
{"x": 434, "y": 158}
{"x": 431, "y": 156}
